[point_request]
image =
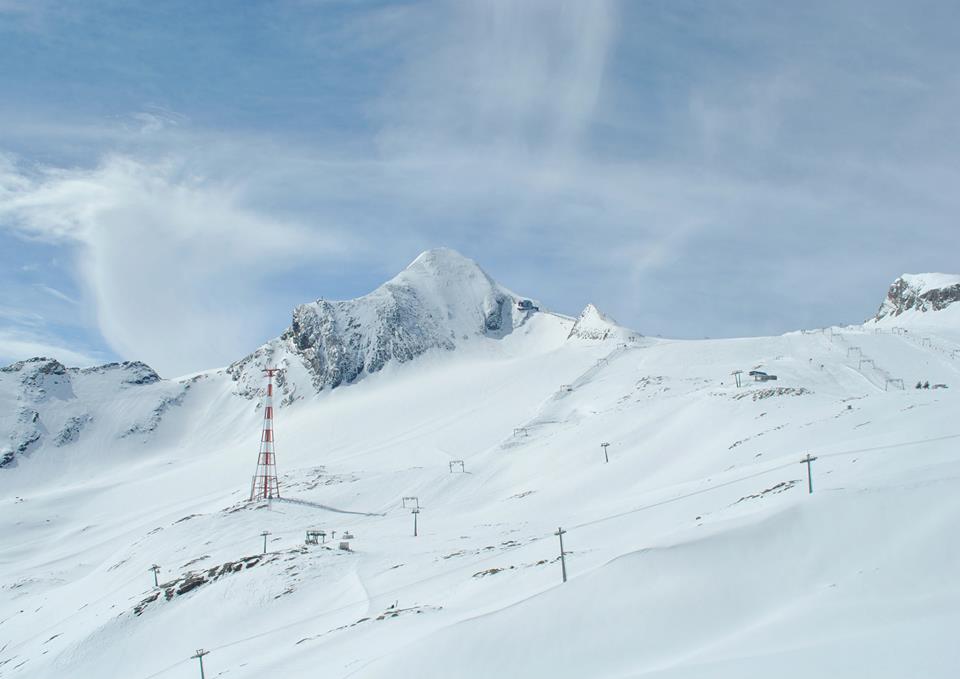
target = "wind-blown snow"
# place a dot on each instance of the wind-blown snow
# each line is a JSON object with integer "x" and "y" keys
{"x": 696, "y": 551}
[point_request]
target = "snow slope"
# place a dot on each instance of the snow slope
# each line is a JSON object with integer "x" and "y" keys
{"x": 696, "y": 551}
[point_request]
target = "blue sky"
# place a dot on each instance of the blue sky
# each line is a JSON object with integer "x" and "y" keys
{"x": 176, "y": 176}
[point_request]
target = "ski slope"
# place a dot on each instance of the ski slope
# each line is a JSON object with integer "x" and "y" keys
{"x": 696, "y": 551}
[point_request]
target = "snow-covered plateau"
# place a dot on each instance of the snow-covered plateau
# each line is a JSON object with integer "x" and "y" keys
{"x": 697, "y": 550}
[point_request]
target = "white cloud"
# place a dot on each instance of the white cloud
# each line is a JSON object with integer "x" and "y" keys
{"x": 175, "y": 264}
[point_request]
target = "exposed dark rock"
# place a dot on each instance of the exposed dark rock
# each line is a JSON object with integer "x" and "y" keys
{"x": 191, "y": 580}
{"x": 71, "y": 430}
{"x": 42, "y": 379}
{"x": 772, "y": 490}
{"x": 156, "y": 417}
{"x": 760, "y": 394}
{"x": 912, "y": 292}
{"x": 135, "y": 372}
{"x": 24, "y": 437}
{"x": 40, "y": 364}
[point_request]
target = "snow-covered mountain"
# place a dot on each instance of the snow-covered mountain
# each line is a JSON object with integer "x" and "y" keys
{"x": 697, "y": 550}
{"x": 592, "y": 324}
{"x": 44, "y": 405}
{"x": 439, "y": 302}
{"x": 913, "y": 294}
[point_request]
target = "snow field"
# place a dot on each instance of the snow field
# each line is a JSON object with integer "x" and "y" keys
{"x": 680, "y": 563}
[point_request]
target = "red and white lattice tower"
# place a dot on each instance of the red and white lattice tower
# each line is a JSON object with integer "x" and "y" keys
{"x": 265, "y": 485}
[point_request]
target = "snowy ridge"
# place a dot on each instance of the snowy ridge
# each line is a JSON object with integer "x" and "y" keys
{"x": 46, "y": 404}
{"x": 925, "y": 282}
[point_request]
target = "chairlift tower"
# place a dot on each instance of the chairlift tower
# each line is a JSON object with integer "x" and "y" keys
{"x": 265, "y": 485}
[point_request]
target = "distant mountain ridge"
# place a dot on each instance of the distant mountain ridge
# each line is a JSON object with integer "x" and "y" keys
{"x": 441, "y": 302}
{"x": 48, "y": 402}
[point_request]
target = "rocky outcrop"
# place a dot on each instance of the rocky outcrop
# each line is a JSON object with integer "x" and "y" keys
{"x": 41, "y": 379}
{"x": 149, "y": 424}
{"x": 919, "y": 293}
{"x": 36, "y": 365}
{"x": 25, "y": 435}
{"x": 135, "y": 373}
{"x": 71, "y": 429}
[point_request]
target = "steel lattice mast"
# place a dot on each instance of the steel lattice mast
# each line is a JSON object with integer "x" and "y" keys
{"x": 265, "y": 485}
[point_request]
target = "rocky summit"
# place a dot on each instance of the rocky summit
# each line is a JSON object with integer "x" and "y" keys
{"x": 441, "y": 300}
{"x": 920, "y": 293}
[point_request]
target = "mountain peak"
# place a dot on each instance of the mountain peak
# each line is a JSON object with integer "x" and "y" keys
{"x": 593, "y": 324}
{"x": 439, "y": 268}
{"x": 919, "y": 293}
{"x": 437, "y": 259}
{"x": 440, "y": 300}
